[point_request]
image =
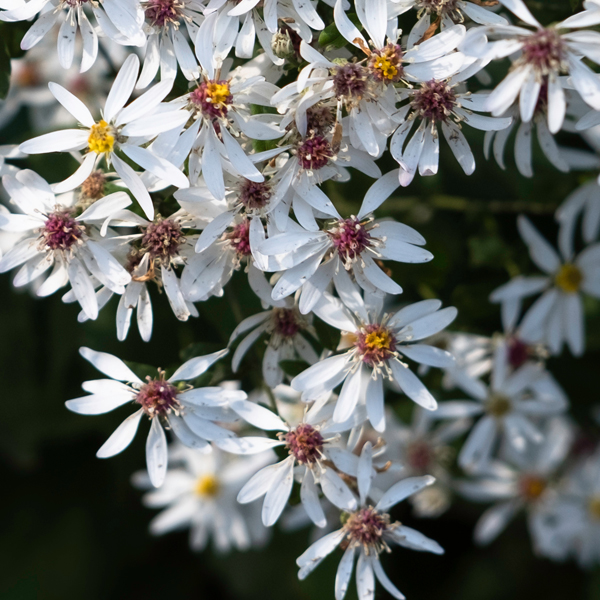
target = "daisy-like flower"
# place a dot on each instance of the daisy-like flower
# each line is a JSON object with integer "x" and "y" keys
{"x": 543, "y": 54}
{"x": 168, "y": 47}
{"x": 435, "y": 104}
{"x": 313, "y": 452}
{"x": 557, "y": 316}
{"x": 56, "y": 234}
{"x": 432, "y": 14}
{"x": 523, "y": 483}
{"x": 119, "y": 20}
{"x": 189, "y": 412}
{"x": 510, "y": 409}
{"x": 365, "y": 89}
{"x": 121, "y": 128}
{"x": 200, "y": 492}
{"x": 282, "y": 323}
{"x": 314, "y": 256}
{"x": 220, "y": 108}
{"x": 367, "y": 532}
{"x": 377, "y": 344}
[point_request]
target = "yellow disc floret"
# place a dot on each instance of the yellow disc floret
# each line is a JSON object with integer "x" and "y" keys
{"x": 594, "y": 507}
{"x": 218, "y": 92}
{"x": 385, "y": 67}
{"x": 378, "y": 340}
{"x": 207, "y": 486}
{"x": 498, "y": 405}
{"x": 569, "y": 278}
{"x": 101, "y": 139}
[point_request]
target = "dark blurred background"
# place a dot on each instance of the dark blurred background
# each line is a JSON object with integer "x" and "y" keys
{"x": 74, "y": 528}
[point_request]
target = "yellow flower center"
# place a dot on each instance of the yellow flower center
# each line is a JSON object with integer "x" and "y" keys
{"x": 218, "y": 92}
{"x": 569, "y": 278}
{"x": 378, "y": 340}
{"x": 385, "y": 67}
{"x": 594, "y": 507}
{"x": 532, "y": 487}
{"x": 100, "y": 139}
{"x": 498, "y": 405}
{"x": 207, "y": 486}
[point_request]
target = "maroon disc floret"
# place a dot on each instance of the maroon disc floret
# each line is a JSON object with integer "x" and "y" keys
{"x": 254, "y": 195}
{"x": 161, "y": 12}
{"x": 305, "y": 443}
{"x": 61, "y": 231}
{"x": 544, "y": 50}
{"x": 162, "y": 239}
{"x": 518, "y": 352}
{"x": 286, "y": 322}
{"x": 419, "y": 456}
{"x": 320, "y": 117}
{"x": 158, "y": 397}
{"x": 366, "y": 527}
{"x": 435, "y": 100}
{"x": 350, "y": 237}
{"x": 314, "y": 152}
{"x": 239, "y": 238}
{"x": 350, "y": 81}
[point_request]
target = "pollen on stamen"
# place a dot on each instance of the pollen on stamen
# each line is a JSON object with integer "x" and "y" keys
{"x": 350, "y": 237}
{"x": 305, "y": 443}
{"x": 366, "y": 527}
{"x": 386, "y": 64}
{"x": 375, "y": 344}
{"x": 212, "y": 98}
{"x": 61, "y": 231}
{"x": 158, "y": 397}
{"x": 350, "y": 81}
{"x": 254, "y": 195}
{"x": 162, "y": 240}
{"x": 314, "y": 152}
{"x": 544, "y": 50}
{"x": 101, "y": 138}
{"x": 161, "y": 13}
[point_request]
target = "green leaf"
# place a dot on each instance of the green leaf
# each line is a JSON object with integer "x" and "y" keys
{"x": 293, "y": 367}
{"x": 328, "y": 336}
{"x": 331, "y": 37}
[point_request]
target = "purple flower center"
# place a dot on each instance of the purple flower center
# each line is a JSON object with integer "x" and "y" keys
{"x": 286, "y": 322}
{"x": 518, "y": 352}
{"x": 239, "y": 238}
{"x": 163, "y": 12}
{"x": 320, "y": 117}
{"x": 314, "y": 152}
{"x": 420, "y": 456}
{"x": 544, "y": 50}
{"x": 350, "y": 81}
{"x": 213, "y": 98}
{"x": 435, "y": 100}
{"x": 438, "y": 6}
{"x": 350, "y": 237}
{"x": 162, "y": 239}
{"x": 61, "y": 231}
{"x": 254, "y": 195}
{"x": 375, "y": 344}
{"x": 366, "y": 527}
{"x": 305, "y": 443}
{"x": 158, "y": 397}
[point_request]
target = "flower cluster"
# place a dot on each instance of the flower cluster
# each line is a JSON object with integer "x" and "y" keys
{"x": 182, "y": 186}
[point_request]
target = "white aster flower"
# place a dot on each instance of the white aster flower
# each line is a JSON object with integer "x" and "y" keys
{"x": 367, "y": 532}
{"x": 557, "y": 316}
{"x": 190, "y": 413}
{"x": 378, "y": 344}
{"x": 314, "y": 452}
{"x": 167, "y": 46}
{"x": 543, "y": 54}
{"x": 510, "y": 409}
{"x": 55, "y": 235}
{"x": 200, "y": 492}
{"x": 523, "y": 483}
{"x": 584, "y": 202}
{"x": 314, "y": 255}
{"x": 282, "y": 323}
{"x": 119, "y": 20}
{"x": 121, "y": 128}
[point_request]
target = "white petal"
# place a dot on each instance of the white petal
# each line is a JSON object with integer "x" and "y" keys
{"x": 402, "y": 490}
{"x": 196, "y": 366}
{"x": 122, "y": 436}
{"x": 122, "y": 87}
{"x": 156, "y": 453}
{"x": 344, "y": 572}
{"x": 279, "y": 492}
{"x": 315, "y": 553}
{"x": 412, "y": 386}
{"x": 259, "y": 416}
{"x": 109, "y": 365}
{"x": 365, "y": 578}
{"x": 73, "y": 104}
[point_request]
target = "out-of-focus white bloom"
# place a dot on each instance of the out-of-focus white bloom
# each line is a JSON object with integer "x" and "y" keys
{"x": 284, "y": 325}
{"x": 585, "y": 202}
{"x": 9, "y": 152}
{"x": 557, "y": 316}
{"x": 509, "y": 407}
{"x": 119, "y": 20}
{"x": 543, "y": 54}
{"x": 378, "y": 344}
{"x": 570, "y": 524}
{"x": 54, "y": 235}
{"x": 367, "y": 532}
{"x": 190, "y": 413}
{"x": 167, "y": 46}
{"x": 525, "y": 483}
{"x": 121, "y": 128}
{"x": 315, "y": 459}
{"x": 313, "y": 256}
{"x": 200, "y": 492}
